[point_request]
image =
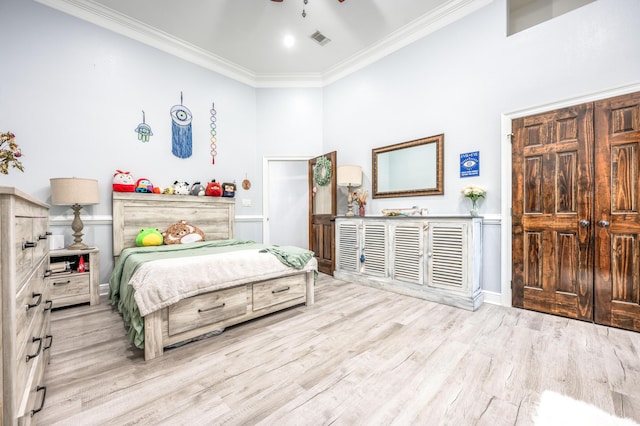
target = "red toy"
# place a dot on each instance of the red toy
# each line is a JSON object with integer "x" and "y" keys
{"x": 123, "y": 182}
{"x": 214, "y": 189}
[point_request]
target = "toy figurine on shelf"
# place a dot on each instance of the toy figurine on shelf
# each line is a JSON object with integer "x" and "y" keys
{"x": 81, "y": 267}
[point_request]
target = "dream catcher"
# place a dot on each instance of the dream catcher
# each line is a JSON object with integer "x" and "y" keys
{"x": 181, "y": 145}
{"x": 214, "y": 148}
{"x": 143, "y": 130}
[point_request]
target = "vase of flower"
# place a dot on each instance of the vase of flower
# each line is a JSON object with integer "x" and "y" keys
{"x": 360, "y": 197}
{"x": 474, "y": 193}
{"x": 474, "y": 208}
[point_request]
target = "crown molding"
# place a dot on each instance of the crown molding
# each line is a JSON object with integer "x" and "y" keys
{"x": 117, "y": 22}
{"x": 404, "y": 36}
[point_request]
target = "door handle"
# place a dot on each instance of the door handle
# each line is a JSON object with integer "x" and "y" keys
{"x": 584, "y": 223}
{"x": 603, "y": 223}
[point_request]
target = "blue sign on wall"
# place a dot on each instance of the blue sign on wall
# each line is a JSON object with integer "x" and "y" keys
{"x": 470, "y": 164}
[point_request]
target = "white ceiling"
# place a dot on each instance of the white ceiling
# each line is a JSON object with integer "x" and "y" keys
{"x": 243, "y": 39}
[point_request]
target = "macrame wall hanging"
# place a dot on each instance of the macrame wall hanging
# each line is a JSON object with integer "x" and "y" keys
{"x": 214, "y": 148}
{"x": 143, "y": 130}
{"x": 181, "y": 145}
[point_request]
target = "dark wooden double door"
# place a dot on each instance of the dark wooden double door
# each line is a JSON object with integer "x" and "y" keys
{"x": 576, "y": 212}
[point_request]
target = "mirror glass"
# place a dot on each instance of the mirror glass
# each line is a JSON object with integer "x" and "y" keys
{"x": 409, "y": 168}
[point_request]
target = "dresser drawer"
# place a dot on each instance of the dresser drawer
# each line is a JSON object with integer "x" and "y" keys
{"x": 69, "y": 289}
{"x": 34, "y": 395}
{"x": 206, "y": 309}
{"x": 41, "y": 237}
{"x": 273, "y": 292}
{"x": 30, "y": 300}
{"x": 24, "y": 255}
{"x": 34, "y": 350}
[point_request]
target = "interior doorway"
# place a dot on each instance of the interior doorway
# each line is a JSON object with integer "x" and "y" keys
{"x": 285, "y": 201}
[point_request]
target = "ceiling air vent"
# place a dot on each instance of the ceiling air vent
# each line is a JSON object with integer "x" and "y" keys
{"x": 320, "y": 38}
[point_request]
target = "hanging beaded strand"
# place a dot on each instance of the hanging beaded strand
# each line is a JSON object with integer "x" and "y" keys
{"x": 214, "y": 151}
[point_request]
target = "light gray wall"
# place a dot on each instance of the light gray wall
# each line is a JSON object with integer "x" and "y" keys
{"x": 73, "y": 94}
{"x": 461, "y": 79}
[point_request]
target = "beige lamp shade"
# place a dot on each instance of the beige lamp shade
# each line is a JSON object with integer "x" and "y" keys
{"x": 349, "y": 176}
{"x": 70, "y": 191}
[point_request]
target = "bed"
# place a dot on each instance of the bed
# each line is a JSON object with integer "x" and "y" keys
{"x": 234, "y": 281}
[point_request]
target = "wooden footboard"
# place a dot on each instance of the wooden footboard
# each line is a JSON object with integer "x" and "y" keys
{"x": 208, "y": 312}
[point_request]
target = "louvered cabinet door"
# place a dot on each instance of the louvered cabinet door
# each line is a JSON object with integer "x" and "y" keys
{"x": 408, "y": 252}
{"x": 448, "y": 259}
{"x": 348, "y": 246}
{"x": 374, "y": 249}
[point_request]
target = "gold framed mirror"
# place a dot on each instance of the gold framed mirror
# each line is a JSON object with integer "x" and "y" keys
{"x": 409, "y": 169}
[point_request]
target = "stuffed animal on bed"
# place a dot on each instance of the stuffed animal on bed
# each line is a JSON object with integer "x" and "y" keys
{"x": 214, "y": 189}
{"x": 149, "y": 237}
{"x": 168, "y": 190}
{"x": 182, "y": 233}
{"x": 197, "y": 189}
{"x": 123, "y": 182}
{"x": 180, "y": 188}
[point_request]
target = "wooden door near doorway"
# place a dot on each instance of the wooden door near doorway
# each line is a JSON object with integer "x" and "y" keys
{"x": 322, "y": 210}
{"x": 575, "y": 224}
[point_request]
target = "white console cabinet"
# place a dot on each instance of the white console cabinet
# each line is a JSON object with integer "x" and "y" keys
{"x": 438, "y": 258}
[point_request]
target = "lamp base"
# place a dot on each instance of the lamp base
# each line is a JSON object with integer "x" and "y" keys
{"x": 349, "y": 202}
{"x": 78, "y": 246}
{"x": 77, "y": 227}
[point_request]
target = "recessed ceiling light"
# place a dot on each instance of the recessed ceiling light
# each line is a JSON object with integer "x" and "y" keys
{"x": 289, "y": 41}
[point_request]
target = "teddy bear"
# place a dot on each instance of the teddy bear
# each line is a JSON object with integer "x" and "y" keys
{"x": 182, "y": 233}
{"x": 149, "y": 237}
{"x": 180, "y": 188}
{"x": 213, "y": 189}
{"x": 197, "y": 189}
{"x": 123, "y": 182}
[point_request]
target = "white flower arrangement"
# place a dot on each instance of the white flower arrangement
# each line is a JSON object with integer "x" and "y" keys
{"x": 474, "y": 192}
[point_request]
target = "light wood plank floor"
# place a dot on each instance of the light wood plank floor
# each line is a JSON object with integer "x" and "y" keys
{"x": 359, "y": 356}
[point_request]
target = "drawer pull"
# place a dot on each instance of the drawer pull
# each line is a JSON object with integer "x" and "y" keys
{"x": 33, "y": 340}
{"x": 62, "y": 282}
{"x": 212, "y": 308}
{"x": 282, "y": 290}
{"x": 28, "y": 244}
{"x": 44, "y": 396}
{"x": 50, "y": 337}
{"x": 50, "y": 303}
{"x": 42, "y": 236}
{"x": 33, "y": 305}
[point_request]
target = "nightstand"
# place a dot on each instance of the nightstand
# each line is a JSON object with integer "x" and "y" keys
{"x": 70, "y": 286}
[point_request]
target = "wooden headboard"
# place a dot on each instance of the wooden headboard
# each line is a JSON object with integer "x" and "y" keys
{"x": 132, "y": 211}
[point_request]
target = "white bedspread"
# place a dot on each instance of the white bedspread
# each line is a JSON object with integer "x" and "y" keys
{"x": 160, "y": 283}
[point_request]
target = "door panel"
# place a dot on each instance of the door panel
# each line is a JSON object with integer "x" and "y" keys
{"x": 322, "y": 212}
{"x": 552, "y": 209}
{"x": 617, "y": 288}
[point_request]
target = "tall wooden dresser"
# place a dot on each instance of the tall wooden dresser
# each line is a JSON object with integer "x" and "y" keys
{"x": 26, "y": 305}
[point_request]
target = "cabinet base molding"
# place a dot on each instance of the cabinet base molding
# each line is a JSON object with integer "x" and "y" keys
{"x": 470, "y": 303}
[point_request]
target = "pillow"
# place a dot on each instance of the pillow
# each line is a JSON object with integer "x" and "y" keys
{"x": 181, "y": 233}
{"x": 149, "y": 237}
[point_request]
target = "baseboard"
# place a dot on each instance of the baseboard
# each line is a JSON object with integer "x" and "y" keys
{"x": 492, "y": 297}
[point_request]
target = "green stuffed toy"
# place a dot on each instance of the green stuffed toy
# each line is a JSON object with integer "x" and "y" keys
{"x": 149, "y": 237}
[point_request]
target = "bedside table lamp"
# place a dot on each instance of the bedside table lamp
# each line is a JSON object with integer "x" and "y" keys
{"x": 349, "y": 176}
{"x": 75, "y": 192}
